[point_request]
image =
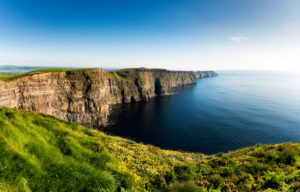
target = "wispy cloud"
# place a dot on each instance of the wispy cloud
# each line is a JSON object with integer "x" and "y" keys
{"x": 239, "y": 39}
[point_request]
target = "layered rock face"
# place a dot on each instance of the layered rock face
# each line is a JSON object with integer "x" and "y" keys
{"x": 85, "y": 96}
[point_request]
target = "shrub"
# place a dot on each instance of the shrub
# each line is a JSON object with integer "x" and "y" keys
{"x": 216, "y": 181}
{"x": 125, "y": 179}
{"x": 238, "y": 170}
{"x": 184, "y": 187}
{"x": 158, "y": 181}
{"x": 293, "y": 177}
{"x": 273, "y": 156}
{"x": 272, "y": 180}
{"x": 184, "y": 172}
{"x": 294, "y": 187}
{"x": 256, "y": 167}
{"x": 216, "y": 162}
{"x": 210, "y": 190}
{"x": 285, "y": 155}
{"x": 226, "y": 171}
{"x": 203, "y": 169}
{"x": 260, "y": 154}
{"x": 290, "y": 157}
{"x": 169, "y": 176}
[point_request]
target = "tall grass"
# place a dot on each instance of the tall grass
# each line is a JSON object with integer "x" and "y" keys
{"x": 42, "y": 153}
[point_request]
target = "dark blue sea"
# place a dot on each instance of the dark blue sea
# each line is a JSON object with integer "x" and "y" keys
{"x": 233, "y": 110}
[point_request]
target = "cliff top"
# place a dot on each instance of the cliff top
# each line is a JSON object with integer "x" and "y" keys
{"x": 13, "y": 76}
{"x": 7, "y": 77}
{"x": 139, "y": 69}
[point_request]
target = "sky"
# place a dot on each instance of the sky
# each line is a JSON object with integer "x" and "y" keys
{"x": 171, "y": 34}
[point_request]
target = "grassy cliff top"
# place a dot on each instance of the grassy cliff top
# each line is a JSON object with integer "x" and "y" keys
{"x": 139, "y": 69}
{"x": 42, "y": 153}
{"x": 7, "y": 77}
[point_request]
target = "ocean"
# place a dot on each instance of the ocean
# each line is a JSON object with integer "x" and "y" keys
{"x": 236, "y": 109}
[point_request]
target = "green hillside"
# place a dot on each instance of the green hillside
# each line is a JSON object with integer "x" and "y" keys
{"x": 7, "y": 77}
{"x": 42, "y": 153}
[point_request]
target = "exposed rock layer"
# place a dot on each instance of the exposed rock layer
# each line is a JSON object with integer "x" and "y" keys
{"x": 86, "y": 96}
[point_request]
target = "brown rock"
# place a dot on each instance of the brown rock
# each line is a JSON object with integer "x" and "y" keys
{"x": 86, "y": 96}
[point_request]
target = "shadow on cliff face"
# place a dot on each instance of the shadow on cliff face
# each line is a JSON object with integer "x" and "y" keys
{"x": 158, "y": 87}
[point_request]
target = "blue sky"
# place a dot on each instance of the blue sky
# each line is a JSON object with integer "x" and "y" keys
{"x": 172, "y": 34}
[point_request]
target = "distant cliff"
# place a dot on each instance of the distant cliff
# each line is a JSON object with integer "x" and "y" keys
{"x": 85, "y": 96}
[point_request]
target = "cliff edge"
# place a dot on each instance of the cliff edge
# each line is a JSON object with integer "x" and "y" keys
{"x": 85, "y": 96}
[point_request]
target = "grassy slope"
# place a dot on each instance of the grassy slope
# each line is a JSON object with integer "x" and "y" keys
{"x": 13, "y": 76}
{"x": 42, "y": 153}
{"x": 7, "y": 77}
{"x": 118, "y": 74}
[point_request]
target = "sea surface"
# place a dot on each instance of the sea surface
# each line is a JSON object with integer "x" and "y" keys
{"x": 233, "y": 110}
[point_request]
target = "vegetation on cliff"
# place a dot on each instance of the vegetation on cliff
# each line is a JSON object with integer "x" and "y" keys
{"x": 42, "y": 153}
{"x": 119, "y": 74}
{"x": 7, "y": 77}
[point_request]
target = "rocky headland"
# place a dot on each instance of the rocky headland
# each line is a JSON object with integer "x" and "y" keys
{"x": 85, "y": 96}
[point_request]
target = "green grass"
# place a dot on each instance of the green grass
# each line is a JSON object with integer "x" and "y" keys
{"x": 127, "y": 69}
{"x": 115, "y": 76}
{"x": 42, "y": 153}
{"x": 121, "y": 74}
{"x": 7, "y": 77}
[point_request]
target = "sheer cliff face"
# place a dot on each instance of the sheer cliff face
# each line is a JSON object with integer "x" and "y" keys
{"x": 86, "y": 96}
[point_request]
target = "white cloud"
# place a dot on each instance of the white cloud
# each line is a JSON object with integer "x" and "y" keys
{"x": 239, "y": 39}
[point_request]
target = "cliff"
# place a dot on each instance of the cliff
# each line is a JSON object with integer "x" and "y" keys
{"x": 85, "y": 96}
